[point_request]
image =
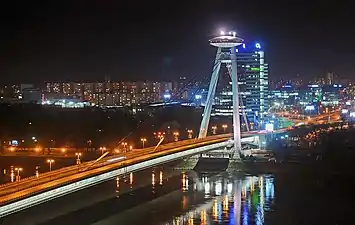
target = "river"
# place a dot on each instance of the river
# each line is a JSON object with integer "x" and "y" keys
{"x": 164, "y": 196}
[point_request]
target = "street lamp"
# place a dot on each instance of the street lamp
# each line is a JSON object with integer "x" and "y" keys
{"x": 102, "y": 150}
{"x": 143, "y": 140}
{"x": 50, "y": 161}
{"x": 176, "y": 136}
{"x": 160, "y": 136}
{"x": 19, "y": 169}
{"x": 37, "y": 149}
{"x": 189, "y": 132}
{"x": 37, "y": 172}
{"x": 130, "y": 147}
{"x": 124, "y": 144}
{"x": 224, "y": 126}
{"x": 78, "y": 154}
{"x": 64, "y": 150}
{"x": 214, "y": 129}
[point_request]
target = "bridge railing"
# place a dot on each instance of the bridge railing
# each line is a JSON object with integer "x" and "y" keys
{"x": 60, "y": 183}
{"x": 55, "y": 174}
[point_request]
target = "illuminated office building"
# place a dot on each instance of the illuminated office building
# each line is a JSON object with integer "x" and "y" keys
{"x": 253, "y": 85}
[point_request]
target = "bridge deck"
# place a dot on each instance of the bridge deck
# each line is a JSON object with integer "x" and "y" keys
{"x": 20, "y": 190}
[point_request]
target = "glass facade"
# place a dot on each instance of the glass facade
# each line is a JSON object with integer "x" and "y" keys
{"x": 253, "y": 86}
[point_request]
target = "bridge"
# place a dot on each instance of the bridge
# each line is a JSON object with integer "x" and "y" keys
{"x": 32, "y": 191}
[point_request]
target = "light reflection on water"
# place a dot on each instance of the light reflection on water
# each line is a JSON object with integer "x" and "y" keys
{"x": 229, "y": 201}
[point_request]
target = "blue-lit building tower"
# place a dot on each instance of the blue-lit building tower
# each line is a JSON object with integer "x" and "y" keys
{"x": 253, "y": 85}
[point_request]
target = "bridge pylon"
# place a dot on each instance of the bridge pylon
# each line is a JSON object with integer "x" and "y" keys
{"x": 226, "y": 54}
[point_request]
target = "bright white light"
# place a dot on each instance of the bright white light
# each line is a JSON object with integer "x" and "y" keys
{"x": 257, "y": 45}
{"x": 207, "y": 188}
{"x": 310, "y": 107}
{"x": 344, "y": 111}
{"x": 234, "y": 34}
{"x": 116, "y": 159}
{"x": 352, "y": 114}
{"x": 243, "y": 45}
{"x": 222, "y": 32}
{"x": 229, "y": 188}
{"x": 218, "y": 189}
{"x": 167, "y": 95}
{"x": 198, "y": 96}
{"x": 269, "y": 127}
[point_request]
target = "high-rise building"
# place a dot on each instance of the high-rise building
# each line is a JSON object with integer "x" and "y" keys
{"x": 253, "y": 85}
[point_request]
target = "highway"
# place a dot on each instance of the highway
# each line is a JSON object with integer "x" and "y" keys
{"x": 27, "y": 187}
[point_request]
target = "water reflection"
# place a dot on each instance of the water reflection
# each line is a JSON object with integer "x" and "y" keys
{"x": 37, "y": 171}
{"x": 185, "y": 182}
{"x": 161, "y": 178}
{"x": 118, "y": 186}
{"x": 12, "y": 174}
{"x": 153, "y": 182}
{"x": 131, "y": 180}
{"x": 235, "y": 201}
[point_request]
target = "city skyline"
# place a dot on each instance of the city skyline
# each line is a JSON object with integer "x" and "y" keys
{"x": 156, "y": 41}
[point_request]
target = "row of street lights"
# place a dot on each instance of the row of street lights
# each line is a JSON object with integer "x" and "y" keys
{"x": 126, "y": 146}
{"x": 214, "y": 128}
{"x": 50, "y": 162}
{"x": 161, "y": 135}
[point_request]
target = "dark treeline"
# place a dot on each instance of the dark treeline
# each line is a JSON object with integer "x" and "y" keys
{"x": 56, "y": 127}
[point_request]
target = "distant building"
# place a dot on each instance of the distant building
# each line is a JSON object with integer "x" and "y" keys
{"x": 322, "y": 94}
{"x": 312, "y": 93}
{"x": 110, "y": 93}
{"x": 287, "y": 96}
{"x": 31, "y": 95}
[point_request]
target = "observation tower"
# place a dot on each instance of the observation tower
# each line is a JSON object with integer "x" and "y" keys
{"x": 226, "y": 45}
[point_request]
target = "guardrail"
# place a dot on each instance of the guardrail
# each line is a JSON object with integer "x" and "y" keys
{"x": 104, "y": 163}
{"x": 67, "y": 171}
{"x": 68, "y": 187}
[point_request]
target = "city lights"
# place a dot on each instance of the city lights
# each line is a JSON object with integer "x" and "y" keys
{"x": 78, "y": 155}
{"x": 50, "y": 162}
{"x": 143, "y": 140}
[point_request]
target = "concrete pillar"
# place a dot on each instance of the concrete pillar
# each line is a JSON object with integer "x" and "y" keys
{"x": 188, "y": 164}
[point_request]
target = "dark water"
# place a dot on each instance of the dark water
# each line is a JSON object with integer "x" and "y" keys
{"x": 295, "y": 195}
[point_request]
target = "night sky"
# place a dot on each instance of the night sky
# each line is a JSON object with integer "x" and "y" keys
{"x": 86, "y": 40}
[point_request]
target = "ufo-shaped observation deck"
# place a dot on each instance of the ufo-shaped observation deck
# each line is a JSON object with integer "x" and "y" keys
{"x": 226, "y": 41}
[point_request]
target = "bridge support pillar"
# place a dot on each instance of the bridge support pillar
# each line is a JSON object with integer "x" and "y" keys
{"x": 234, "y": 165}
{"x": 235, "y": 161}
{"x": 188, "y": 164}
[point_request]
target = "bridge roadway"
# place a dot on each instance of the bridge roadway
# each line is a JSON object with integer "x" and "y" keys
{"x": 35, "y": 190}
{"x": 11, "y": 191}
{"x": 26, "y": 183}
{"x": 27, "y": 187}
